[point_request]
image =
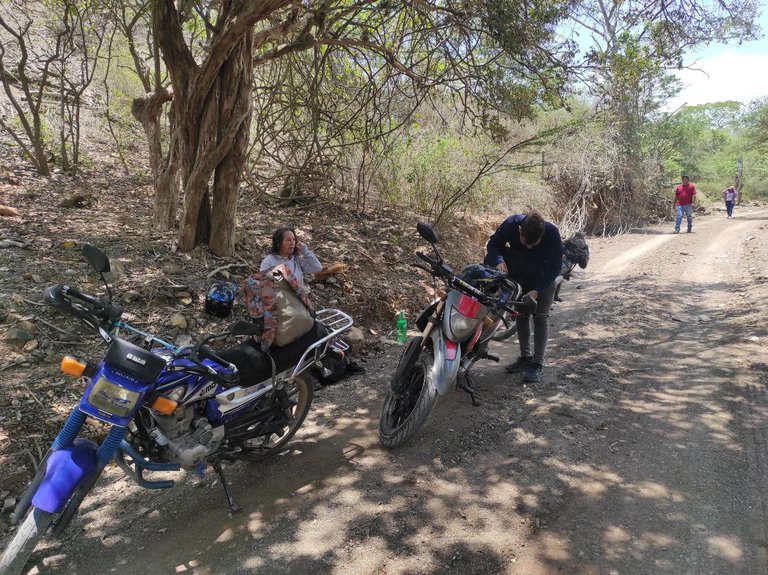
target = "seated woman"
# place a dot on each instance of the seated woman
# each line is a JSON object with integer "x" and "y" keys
{"x": 287, "y": 249}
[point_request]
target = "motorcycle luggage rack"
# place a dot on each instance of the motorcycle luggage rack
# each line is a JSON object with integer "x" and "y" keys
{"x": 336, "y": 322}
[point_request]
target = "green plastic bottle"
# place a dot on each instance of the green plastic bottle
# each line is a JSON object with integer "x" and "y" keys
{"x": 402, "y": 328}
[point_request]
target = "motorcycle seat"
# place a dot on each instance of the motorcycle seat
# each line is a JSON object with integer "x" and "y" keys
{"x": 254, "y": 364}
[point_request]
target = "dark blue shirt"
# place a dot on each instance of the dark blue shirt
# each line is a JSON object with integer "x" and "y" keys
{"x": 535, "y": 268}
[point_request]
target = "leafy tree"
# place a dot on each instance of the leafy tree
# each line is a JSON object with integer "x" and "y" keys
{"x": 756, "y": 121}
{"x": 635, "y": 45}
{"x": 54, "y": 49}
{"x": 427, "y": 45}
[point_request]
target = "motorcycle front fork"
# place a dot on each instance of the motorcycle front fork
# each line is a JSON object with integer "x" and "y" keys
{"x": 66, "y": 438}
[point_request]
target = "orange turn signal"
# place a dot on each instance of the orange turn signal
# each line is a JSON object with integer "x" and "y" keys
{"x": 72, "y": 366}
{"x": 164, "y": 405}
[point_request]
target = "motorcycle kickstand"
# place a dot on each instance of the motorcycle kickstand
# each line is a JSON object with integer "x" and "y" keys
{"x": 227, "y": 489}
{"x": 469, "y": 388}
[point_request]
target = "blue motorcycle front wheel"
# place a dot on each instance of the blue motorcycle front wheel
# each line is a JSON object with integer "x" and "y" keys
{"x": 20, "y": 549}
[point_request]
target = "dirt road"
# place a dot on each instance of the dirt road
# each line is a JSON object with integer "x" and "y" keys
{"x": 642, "y": 451}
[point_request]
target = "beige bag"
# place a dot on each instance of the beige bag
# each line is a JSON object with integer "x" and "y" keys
{"x": 293, "y": 317}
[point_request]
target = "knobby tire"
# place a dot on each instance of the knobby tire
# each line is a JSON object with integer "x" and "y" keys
{"x": 502, "y": 332}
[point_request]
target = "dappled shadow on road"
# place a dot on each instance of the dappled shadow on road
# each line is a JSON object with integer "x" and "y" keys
{"x": 664, "y": 357}
{"x": 536, "y": 476}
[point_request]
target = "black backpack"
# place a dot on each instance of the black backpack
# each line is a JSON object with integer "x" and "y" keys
{"x": 577, "y": 250}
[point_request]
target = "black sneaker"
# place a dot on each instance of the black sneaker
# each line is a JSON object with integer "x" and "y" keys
{"x": 534, "y": 373}
{"x": 522, "y": 364}
{"x": 354, "y": 368}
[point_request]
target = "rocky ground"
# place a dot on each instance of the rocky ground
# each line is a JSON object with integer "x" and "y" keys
{"x": 642, "y": 451}
{"x": 163, "y": 290}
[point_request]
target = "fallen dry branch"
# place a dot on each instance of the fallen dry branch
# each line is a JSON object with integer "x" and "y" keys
{"x": 226, "y": 267}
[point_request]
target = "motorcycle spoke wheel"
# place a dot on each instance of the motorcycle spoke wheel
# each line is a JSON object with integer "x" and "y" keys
{"x": 20, "y": 549}
{"x": 300, "y": 395}
{"x": 503, "y": 332}
{"x": 403, "y": 414}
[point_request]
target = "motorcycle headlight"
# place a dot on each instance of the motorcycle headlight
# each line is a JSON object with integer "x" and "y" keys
{"x": 461, "y": 325}
{"x": 113, "y": 398}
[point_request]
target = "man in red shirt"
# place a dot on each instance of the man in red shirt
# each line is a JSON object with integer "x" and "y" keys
{"x": 684, "y": 195}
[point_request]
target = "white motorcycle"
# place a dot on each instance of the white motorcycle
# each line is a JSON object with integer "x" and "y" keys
{"x": 456, "y": 329}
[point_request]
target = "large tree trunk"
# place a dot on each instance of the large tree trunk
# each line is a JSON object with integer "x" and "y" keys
{"x": 166, "y": 191}
{"x": 196, "y": 150}
{"x": 212, "y": 103}
{"x": 203, "y": 229}
{"x": 147, "y": 111}
{"x": 236, "y": 73}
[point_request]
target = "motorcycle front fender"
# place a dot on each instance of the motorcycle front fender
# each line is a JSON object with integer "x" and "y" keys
{"x": 447, "y": 362}
{"x": 66, "y": 469}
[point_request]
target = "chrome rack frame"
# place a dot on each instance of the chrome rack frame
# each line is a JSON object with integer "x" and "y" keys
{"x": 337, "y": 322}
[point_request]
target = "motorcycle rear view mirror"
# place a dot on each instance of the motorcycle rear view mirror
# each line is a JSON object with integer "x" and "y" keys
{"x": 427, "y": 232}
{"x": 99, "y": 262}
{"x": 97, "y": 258}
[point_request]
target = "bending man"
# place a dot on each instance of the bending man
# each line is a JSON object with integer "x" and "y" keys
{"x": 531, "y": 252}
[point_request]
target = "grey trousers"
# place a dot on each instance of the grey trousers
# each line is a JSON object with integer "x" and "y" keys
{"x": 540, "y": 327}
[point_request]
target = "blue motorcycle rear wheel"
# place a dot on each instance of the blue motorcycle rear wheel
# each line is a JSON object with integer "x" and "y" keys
{"x": 260, "y": 446}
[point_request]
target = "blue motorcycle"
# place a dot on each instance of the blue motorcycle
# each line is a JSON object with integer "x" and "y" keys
{"x": 168, "y": 408}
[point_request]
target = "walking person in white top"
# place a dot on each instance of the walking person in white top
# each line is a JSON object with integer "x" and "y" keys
{"x": 729, "y": 195}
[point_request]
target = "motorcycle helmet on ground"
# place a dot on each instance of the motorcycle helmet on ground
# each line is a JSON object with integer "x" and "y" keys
{"x": 220, "y": 298}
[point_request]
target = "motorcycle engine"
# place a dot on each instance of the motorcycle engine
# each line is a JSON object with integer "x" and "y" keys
{"x": 188, "y": 437}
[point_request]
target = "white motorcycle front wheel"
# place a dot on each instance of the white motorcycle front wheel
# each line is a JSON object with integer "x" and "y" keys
{"x": 405, "y": 413}
{"x": 505, "y": 330}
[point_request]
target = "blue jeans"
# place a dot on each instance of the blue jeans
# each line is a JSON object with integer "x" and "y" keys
{"x": 688, "y": 211}
{"x": 729, "y": 208}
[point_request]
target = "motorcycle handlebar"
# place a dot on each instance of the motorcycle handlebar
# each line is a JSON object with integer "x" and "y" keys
{"x": 87, "y": 298}
{"x": 103, "y": 311}
{"x": 527, "y": 302}
{"x": 57, "y": 297}
{"x": 426, "y": 258}
{"x": 439, "y": 269}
